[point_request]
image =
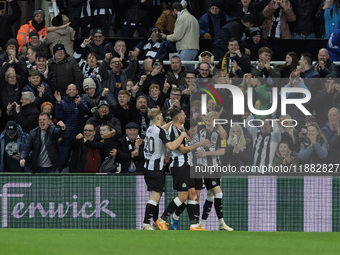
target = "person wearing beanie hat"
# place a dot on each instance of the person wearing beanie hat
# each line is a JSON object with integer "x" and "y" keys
{"x": 58, "y": 47}
{"x": 216, "y": 16}
{"x": 12, "y": 58}
{"x": 37, "y": 23}
{"x": 12, "y": 141}
{"x": 33, "y": 33}
{"x": 254, "y": 43}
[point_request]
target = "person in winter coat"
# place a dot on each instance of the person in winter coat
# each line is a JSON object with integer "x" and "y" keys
{"x": 212, "y": 21}
{"x": 314, "y": 148}
{"x": 278, "y": 15}
{"x": 63, "y": 35}
{"x": 12, "y": 141}
{"x": 37, "y": 23}
{"x": 6, "y": 22}
{"x": 71, "y": 110}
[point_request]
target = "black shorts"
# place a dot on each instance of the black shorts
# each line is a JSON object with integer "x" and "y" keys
{"x": 198, "y": 183}
{"x": 181, "y": 178}
{"x": 212, "y": 183}
{"x": 155, "y": 180}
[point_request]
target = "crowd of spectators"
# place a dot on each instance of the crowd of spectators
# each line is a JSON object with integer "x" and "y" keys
{"x": 66, "y": 109}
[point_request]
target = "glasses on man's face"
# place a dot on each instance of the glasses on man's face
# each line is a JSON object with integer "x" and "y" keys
{"x": 88, "y": 130}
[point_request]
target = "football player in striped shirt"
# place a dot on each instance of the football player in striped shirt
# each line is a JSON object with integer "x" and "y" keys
{"x": 211, "y": 157}
{"x": 155, "y": 144}
{"x": 180, "y": 170}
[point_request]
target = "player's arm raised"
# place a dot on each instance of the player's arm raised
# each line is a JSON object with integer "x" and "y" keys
{"x": 175, "y": 144}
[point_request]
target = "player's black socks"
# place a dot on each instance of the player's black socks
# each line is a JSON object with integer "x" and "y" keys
{"x": 207, "y": 207}
{"x": 218, "y": 205}
{"x": 197, "y": 212}
{"x": 149, "y": 211}
{"x": 155, "y": 214}
{"x": 193, "y": 217}
{"x": 173, "y": 205}
{"x": 180, "y": 209}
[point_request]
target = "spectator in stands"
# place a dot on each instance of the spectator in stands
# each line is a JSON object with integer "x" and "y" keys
{"x": 30, "y": 57}
{"x": 47, "y": 76}
{"x": 314, "y": 148}
{"x": 265, "y": 142}
{"x": 121, "y": 110}
{"x": 330, "y": 18}
{"x": 241, "y": 8}
{"x": 233, "y": 29}
{"x": 138, "y": 109}
{"x": 102, "y": 13}
{"x": 63, "y": 35}
{"x": 325, "y": 66}
{"x": 212, "y": 21}
{"x": 98, "y": 45}
{"x": 284, "y": 156}
{"x": 120, "y": 49}
{"x": 93, "y": 93}
{"x": 263, "y": 68}
{"x": 12, "y": 141}
{"x": 84, "y": 159}
{"x": 157, "y": 97}
{"x": 12, "y": 57}
{"x": 333, "y": 45}
{"x": 166, "y": 22}
{"x": 10, "y": 92}
{"x": 176, "y": 73}
{"x": 41, "y": 147}
{"x": 239, "y": 150}
{"x": 278, "y": 14}
{"x": 153, "y": 46}
{"x": 88, "y": 64}
{"x": 303, "y": 27}
{"x": 40, "y": 90}
{"x": 37, "y": 23}
{"x": 26, "y": 114}
{"x": 235, "y": 63}
{"x": 289, "y": 133}
{"x": 136, "y": 17}
{"x": 291, "y": 63}
{"x": 7, "y": 20}
{"x": 175, "y": 101}
{"x": 71, "y": 110}
{"x": 204, "y": 71}
{"x": 156, "y": 76}
{"x": 306, "y": 66}
{"x": 108, "y": 143}
{"x": 332, "y": 125}
{"x": 130, "y": 150}
{"x": 114, "y": 78}
{"x": 207, "y": 57}
{"x": 254, "y": 43}
{"x": 33, "y": 42}
{"x": 104, "y": 116}
{"x": 186, "y": 34}
{"x": 49, "y": 108}
{"x": 66, "y": 69}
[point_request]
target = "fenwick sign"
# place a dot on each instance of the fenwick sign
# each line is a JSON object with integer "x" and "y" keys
{"x": 49, "y": 209}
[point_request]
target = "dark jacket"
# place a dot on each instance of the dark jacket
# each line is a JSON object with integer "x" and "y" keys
{"x": 6, "y": 22}
{"x": 243, "y": 158}
{"x": 67, "y": 71}
{"x": 27, "y": 118}
{"x": 304, "y": 11}
{"x": 21, "y": 137}
{"x": 104, "y": 145}
{"x": 47, "y": 96}
{"x": 100, "y": 50}
{"x": 124, "y": 149}
{"x": 330, "y": 70}
{"x": 316, "y": 154}
{"x": 110, "y": 120}
{"x": 79, "y": 156}
{"x": 72, "y": 115}
{"x": 180, "y": 81}
{"x": 33, "y": 144}
{"x": 135, "y": 11}
{"x": 212, "y": 23}
{"x": 164, "y": 49}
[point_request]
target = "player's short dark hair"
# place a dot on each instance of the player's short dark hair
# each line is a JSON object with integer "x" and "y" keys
{"x": 175, "y": 111}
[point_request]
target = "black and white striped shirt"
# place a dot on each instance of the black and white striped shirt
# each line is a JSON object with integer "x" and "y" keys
{"x": 177, "y": 158}
{"x": 154, "y": 148}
